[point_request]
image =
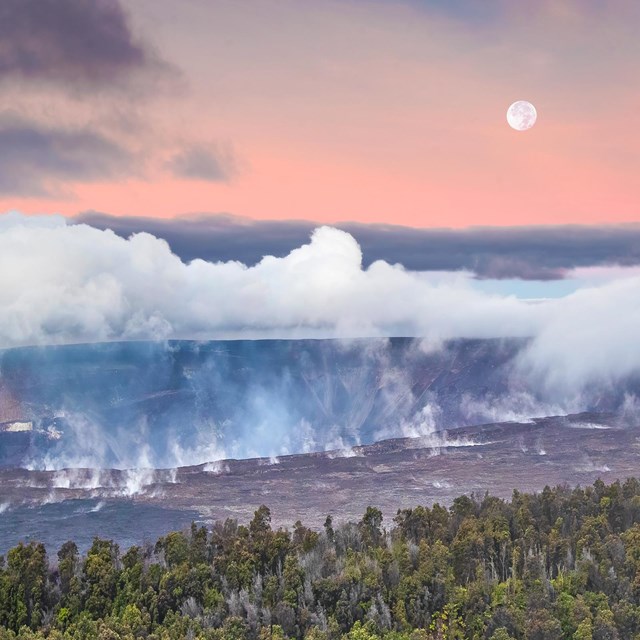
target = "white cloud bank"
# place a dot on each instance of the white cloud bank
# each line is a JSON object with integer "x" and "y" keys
{"x": 63, "y": 283}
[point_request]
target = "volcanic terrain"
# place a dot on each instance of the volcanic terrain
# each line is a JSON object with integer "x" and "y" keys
{"x": 390, "y": 474}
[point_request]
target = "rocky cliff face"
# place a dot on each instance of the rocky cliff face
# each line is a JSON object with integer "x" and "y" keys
{"x": 179, "y": 403}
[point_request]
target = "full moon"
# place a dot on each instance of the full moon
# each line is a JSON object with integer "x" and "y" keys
{"x": 521, "y": 115}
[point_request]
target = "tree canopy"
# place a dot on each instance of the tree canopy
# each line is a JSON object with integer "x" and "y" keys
{"x": 560, "y": 564}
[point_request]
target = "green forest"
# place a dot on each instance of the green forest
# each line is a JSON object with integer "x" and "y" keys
{"x": 560, "y": 564}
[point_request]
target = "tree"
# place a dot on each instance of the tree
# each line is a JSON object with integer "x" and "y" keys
{"x": 261, "y": 523}
{"x": 501, "y": 634}
{"x": 101, "y": 576}
{"x": 584, "y": 630}
{"x": 26, "y": 586}
{"x": 541, "y": 625}
{"x": 370, "y": 527}
{"x": 328, "y": 528}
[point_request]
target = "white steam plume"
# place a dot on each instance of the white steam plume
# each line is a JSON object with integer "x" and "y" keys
{"x": 62, "y": 283}
{"x": 72, "y": 283}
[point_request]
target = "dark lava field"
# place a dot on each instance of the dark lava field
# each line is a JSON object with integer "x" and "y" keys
{"x": 391, "y": 474}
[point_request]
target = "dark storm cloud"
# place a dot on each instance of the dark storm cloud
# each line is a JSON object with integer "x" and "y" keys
{"x": 78, "y": 41}
{"x": 201, "y": 163}
{"x": 35, "y": 158}
{"x": 529, "y": 253}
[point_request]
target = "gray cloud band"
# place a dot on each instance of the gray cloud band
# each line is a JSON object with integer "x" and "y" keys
{"x": 528, "y": 253}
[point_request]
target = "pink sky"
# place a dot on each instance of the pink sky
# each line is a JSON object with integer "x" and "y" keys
{"x": 370, "y": 111}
